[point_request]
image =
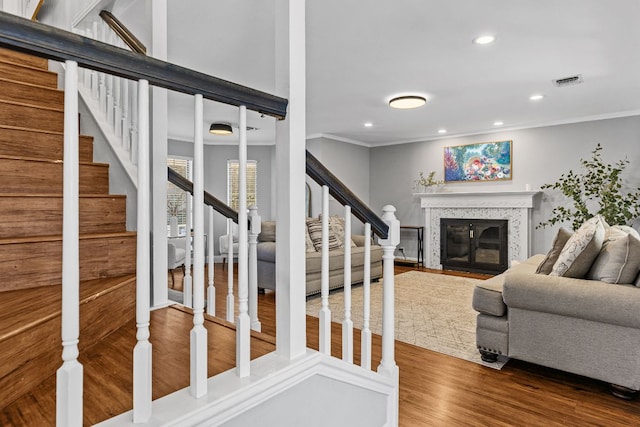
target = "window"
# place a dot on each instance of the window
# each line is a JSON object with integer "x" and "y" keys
{"x": 176, "y": 198}
{"x": 233, "y": 187}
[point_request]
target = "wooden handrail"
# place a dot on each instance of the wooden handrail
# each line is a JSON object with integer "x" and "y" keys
{"x": 320, "y": 174}
{"x": 45, "y": 41}
{"x": 123, "y": 32}
{"x": 218, "y": 205}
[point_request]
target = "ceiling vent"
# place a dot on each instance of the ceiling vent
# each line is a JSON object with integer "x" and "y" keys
{"x": 568, "y": 81}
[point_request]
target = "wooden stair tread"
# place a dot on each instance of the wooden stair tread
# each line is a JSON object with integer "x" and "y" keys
{"x": 47, "y": 195}
{"x": 28, "y": 73}
{"x": 45, "y": 131}
{"x": 26, "y": 308}
{"x": 35, "y": 159}
{"x": 31, "y": 85}
{"x": 40, "y": 107}
{"x": 8, "y": 55}
{"x": 36, "y": 239}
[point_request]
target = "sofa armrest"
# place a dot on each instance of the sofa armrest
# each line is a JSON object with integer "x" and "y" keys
{"x": 358, "y": 239}
{"x": 579, "y": 298}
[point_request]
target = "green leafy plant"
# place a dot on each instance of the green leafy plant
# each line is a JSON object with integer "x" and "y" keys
{"x": 600, "y": 186}
{"x": 429, "y": 180}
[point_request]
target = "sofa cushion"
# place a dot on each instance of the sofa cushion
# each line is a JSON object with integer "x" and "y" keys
{"x": 308, "y": 243}
{"x": 336, "y": 259}
{"x": 618, "y": 260}
{"x": 315, "y": 232}
{"x": 547, "y": 263}
{"x": 581, "y": 249}
{"x": 267, "y": 251}
{"x": 267, "y": 232}
{"x": 487, "y": 296}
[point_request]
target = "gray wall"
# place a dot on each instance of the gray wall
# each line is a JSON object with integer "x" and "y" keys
{"x": 348, "y": 162}
{"x": 215, "y": 177}
{"x": 540, "y": 155}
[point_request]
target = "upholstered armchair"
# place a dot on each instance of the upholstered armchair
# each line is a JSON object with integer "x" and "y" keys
{"x": 223, "y": 244}
{"x": 176, "y": 252}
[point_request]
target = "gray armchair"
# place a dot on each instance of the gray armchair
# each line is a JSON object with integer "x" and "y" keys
{"x": 176, "y": 251}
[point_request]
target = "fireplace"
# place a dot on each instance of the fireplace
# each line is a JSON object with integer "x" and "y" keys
{"x": 477, "y": 245}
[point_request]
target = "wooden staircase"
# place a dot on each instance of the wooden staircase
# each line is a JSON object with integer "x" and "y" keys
{"x": 31, "y": 151}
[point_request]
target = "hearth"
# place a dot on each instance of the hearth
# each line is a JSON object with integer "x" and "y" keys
{"x": 476, "y": 245}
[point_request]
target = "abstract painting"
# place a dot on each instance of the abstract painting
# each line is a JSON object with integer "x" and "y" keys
{"x": 485, "y": 161}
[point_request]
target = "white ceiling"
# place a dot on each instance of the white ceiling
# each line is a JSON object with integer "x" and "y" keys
{"x": 360, "y": 54}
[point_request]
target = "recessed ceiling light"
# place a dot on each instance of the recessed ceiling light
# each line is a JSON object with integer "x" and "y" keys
{"x": 536, "y": 97}
{"x": 368, "y": 124}
{"x": 498, "y": 123}
{"x": 407, "y": 102}
{"x": 484, "y": 39}
{"x": 442, "y": 131}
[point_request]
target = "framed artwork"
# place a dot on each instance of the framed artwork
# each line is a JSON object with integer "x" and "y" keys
{"x": 485, "y": 161}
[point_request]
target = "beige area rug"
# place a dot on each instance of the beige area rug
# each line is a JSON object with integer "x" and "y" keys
{"x": 433, "y": 311}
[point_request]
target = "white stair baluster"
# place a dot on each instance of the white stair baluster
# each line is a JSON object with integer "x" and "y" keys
{"x": 69, "y": 375}
{"x": 365, "y": 335}
{"x": 187, "y": 284}
{"x": 142, "y": 351}
{"x": 254, "y": 231}
{"x": 211, "y": 290}
{"x": 117, "y": 109}
{"x": 199, "y": 332}
{"x": 126, "y": 120}
{"x": 347, "y": 324}
{"x": 110, "y": 101}
{"x": 230, "y": 299}
{"x": 95, "y": 85}
{"x": 243, "y": 323}
{"x": 325, "y": 313}
{"x": 388, "y": 365}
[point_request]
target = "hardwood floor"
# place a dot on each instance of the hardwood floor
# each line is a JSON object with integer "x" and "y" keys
{"x": 440, "y": 390}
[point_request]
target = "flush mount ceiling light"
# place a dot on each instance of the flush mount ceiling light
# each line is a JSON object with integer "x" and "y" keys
{"x": 407, "y": 102}
{"x": 484, "y": 39}
{"x": 220, "y": 129}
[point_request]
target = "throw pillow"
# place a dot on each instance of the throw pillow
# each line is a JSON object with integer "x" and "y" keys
{"x": 315, "y": 232}
{"x": 618, "y": 260}
{"x": 627, "y": 230}
{"x": 267, "y": 232}
{"x": 581, "y": 250}
{"x": 336, "y": 227}
{"x": 308, "y": 243}
{"x": 547, "y": 263}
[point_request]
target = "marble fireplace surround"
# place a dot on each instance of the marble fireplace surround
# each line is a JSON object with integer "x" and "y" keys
{"x": 514, "y": 206}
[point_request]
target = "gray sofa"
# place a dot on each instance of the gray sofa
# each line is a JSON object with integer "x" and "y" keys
{"x": 587, "y": 327}
{"x": 267, "y": 263}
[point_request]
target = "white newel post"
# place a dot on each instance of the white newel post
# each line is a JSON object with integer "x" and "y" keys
{"x": 199, "y": 332}
{"x": 243, "y": 323}
{"x": 325, "y": 313}
{"x": 142, "y": 351}
{"x": 365, "y": 336}
{"x": 347, "y": 324}
{"x": 254, "y": 230}
{"x": 211, "y": 290}
{"x": 388, "y": 365}
{"x": 69, "y": 375}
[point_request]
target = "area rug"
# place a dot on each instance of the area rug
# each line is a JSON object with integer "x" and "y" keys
{"x": 433, "y": 311}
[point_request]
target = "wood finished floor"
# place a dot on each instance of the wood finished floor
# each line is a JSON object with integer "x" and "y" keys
{"x": 435, "y": 389}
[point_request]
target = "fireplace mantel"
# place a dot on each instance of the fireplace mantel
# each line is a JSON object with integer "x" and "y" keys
{"x": 514, "y": 206}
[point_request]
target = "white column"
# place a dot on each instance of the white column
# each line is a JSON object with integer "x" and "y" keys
{"x": 388, "y": 365}
{"x": 243, "y": 323}
{"x": 211, "y": 290}
{"x": 198, "y": 333}
{"x": 347, "y": 324}
{"x": 290, "y": 178}
{"x": 325, "y": 313}
{"x": 254, "y": 231}
{"x": 69, "y": 375}
{"x": 365, "y": 335}
{"x": 230, "y": 298}
{"x": 142, "y": 351}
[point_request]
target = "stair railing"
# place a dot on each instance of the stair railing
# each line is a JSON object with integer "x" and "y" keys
{"x": 75, "y": 50}
{"x": 387, "y": 228}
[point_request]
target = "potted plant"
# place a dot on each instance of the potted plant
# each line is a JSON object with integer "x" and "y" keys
{"x": 598, "y": 190}
{"x": 428, "y": 183}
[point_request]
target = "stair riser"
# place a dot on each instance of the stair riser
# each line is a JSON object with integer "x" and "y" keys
{"x": 42, "y": 216}
{"x": 33, "y": 177}
{"x": 35, "y": 354}
{"x": 40, "y": 145}
{"x": 33, "y": 264}
{"x": 7, "y": 55}
{"x": 32, "y": 95}
{"x": 26, "y": 116}
{"x": 28, "y": 75}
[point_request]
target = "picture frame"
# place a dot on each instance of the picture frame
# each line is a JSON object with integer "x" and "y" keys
{"x": 478, "y": 162}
